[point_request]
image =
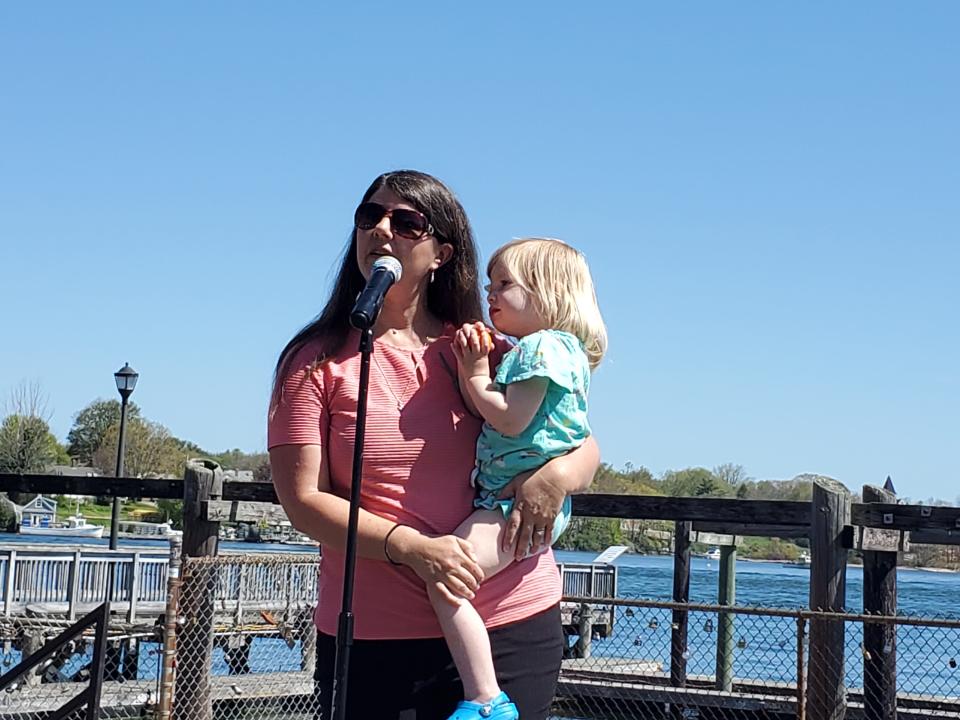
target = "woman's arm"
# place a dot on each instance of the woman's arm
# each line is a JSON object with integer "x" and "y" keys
{"x": 302, "y": 481}
{"x": 538, "y": 496}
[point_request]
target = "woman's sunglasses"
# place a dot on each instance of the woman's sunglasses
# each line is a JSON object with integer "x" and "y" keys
{"x": 405, "y": 223}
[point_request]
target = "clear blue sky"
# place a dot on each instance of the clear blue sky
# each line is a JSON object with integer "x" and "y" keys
{"x": 767, "y": 194}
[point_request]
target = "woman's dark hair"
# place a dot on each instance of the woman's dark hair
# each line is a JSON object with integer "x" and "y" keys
{"x": 453, "y": 296}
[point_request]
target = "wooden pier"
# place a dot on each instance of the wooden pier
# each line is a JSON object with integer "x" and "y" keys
{"x": 832, "y": 523}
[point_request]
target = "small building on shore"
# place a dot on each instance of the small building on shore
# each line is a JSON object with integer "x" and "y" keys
{"x": 39, "y": 512}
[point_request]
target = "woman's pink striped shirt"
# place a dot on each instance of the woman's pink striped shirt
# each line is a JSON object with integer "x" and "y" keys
{"x": 418, "y": 454}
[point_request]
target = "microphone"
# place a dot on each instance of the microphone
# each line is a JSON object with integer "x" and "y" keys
{"x": 386, "y": 271}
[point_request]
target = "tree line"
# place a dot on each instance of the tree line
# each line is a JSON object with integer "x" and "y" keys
{"x": 28, "y": 446}
{"x": 150, "y": 450}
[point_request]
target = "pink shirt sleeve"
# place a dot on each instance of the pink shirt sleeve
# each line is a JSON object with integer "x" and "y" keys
{"x": 301, "y": 417}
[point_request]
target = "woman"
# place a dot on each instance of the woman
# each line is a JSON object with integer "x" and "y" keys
{"x": 418, "y": 455}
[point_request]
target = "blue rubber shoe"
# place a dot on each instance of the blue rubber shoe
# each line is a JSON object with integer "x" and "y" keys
{"x": 500, "y": 708}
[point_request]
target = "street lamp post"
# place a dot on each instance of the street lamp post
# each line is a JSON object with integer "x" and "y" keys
{"x": 126, "y": 378}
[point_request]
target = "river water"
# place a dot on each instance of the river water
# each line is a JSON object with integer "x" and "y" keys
{"x": 927, "y": 657}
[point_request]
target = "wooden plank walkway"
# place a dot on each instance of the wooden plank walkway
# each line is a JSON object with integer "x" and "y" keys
{"x": 588, "y": 683}
{"x": 596, "y": 683}
{"x": 27, "y": 702}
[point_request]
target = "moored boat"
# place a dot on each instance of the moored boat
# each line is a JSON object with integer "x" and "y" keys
{"x": 139, "y": 529}
{"x": 802, "y": 561}
{"x": 75, "y": 526}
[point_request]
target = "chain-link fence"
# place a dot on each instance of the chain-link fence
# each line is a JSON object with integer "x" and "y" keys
{"x": 240, "y": 643}
{"x": 130, "y": 675}
{"x": 234, "y": 638}
{"x": 669, "y": 660}
{"x": 245, "y": 639}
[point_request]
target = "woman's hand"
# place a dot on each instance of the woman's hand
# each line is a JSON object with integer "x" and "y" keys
{"x": 446, "y": 562}
{"x": 537, "y": 500}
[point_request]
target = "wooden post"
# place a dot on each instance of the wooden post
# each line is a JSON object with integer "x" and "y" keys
{"x": 681, "y": 594}
{"x": 307, "y": 631}
{"x": 73, "y": 590}
{"x": 168, "y": 674}
{"x": 32, "y": 640}
{"x": 133, "y": 588}
{"x": 202, "y": 481}
{"x": 879, "y": 639}
{"x": 236, "y": 653}
{"x": 830, "y": 517}
{"x": 131, "y": 658}
{"x": 726, "y": 595}
{"x": 10, "y": 583}
{"x": 585, "y": 631}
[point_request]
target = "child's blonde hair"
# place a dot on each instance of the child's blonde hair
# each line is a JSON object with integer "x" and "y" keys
{"x": 558, "y": 280}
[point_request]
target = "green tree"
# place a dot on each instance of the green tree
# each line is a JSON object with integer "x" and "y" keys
{"x": 730, "y": 474}
{"x": 693, "y": 482}
{"x": 588, "y": 533}
{"x": 8, "y": 516}
{"x": 90, "y": 427}
{"x": 262, "y": 473}
{"x": 629, "y": 481}
{"x": 26, "y": 445}
{"x": 236, "y": 459}
{"x": 149, "y": 448}
{"x": 173, "y": 511}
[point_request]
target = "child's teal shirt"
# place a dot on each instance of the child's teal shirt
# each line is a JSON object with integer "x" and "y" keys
{"x": 559, "y": 425}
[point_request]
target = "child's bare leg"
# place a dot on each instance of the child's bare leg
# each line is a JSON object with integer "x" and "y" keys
{"x": 462, "y": 625}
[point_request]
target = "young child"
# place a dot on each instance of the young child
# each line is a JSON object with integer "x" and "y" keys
{"x": 535, "y": 409}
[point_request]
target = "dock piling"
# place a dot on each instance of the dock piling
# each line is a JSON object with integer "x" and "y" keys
{"x": 830, "y": 518}
{"x": 681, "y": 594}
{"x": 203, "y": 481}
{"x": 585, "y": 632}
{"x": 726, "y": 595}
{"x": 879, "y": 639}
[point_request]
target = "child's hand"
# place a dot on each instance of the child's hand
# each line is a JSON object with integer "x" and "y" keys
{"x": 472, "y": 345}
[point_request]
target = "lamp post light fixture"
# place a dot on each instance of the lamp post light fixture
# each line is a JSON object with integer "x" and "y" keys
{"x": 126, "y": 378}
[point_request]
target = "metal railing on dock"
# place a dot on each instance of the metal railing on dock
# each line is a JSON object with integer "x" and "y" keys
{"x": 761, "y": 670}
{"x": 71, "y": 583}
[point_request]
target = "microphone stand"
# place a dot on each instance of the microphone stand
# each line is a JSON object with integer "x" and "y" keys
{"x": 345, "y": 622}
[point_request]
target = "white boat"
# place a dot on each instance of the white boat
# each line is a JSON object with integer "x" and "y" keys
{"x": 802, "y": 561}
{"x": 714, "y": 554}
{"x": 75, "y": 526}
{"x": 141, "y": 530}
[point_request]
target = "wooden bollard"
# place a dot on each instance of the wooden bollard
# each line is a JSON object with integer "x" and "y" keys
{"x": 202, "y": 481}
{"x": 879, "y": 598}
{"x": 32, "y": 640}
{"x": 726, "y": 595}
{"x": 168, "y": 666}
{"x": 307, "y": 631}
{"x": 830, "y": 518}
{"x": 585, "y": 631}
{"x": 681, "y": 594}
